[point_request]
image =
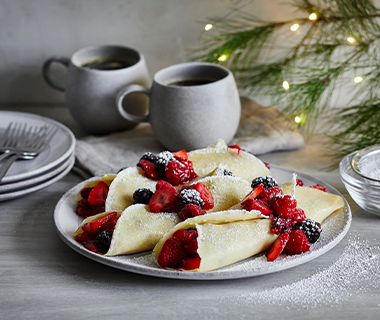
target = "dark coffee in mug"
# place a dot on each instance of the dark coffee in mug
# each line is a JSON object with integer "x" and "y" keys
{"x": 107, "y": 63}
{"x": 190, "y": 82}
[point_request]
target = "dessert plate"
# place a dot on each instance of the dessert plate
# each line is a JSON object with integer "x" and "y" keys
{"x": 334, "y": 227}
{"x": 60, "y": 147}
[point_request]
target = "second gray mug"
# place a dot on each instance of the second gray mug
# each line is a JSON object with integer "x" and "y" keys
{"x": 191, "y": 105}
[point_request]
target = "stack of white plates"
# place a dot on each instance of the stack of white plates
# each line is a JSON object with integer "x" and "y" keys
{"x": 26, "y": 176}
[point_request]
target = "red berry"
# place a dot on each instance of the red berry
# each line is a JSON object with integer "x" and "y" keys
{"x": 180, "y": 234}
{"x": 189, "y": 211}
{"x": 82, "y": 238}
{"x": 98, "y": 194}
{"x": 298, "y": 242}
{"x": 267, "y": 165}
{"x": 181, "y": 154}
{"x": 299, "y": 215}
{"x": 235, "y": 146}
{"x": 165, "y": 199}
{"x": 319, "y": 187}
{"x": 90, "y": 245}
{"x": 284, "y": 205}
{"x": 191, "y": 263}
{"x": 171, "y": 254}
{"x": 268, "y": 193}
{"x": 257, "y": 204}
{"x": 83, "y": 208}
{"x": 280, "y": 225}
{"x": 95, "y": 227}
{"x": 190, "y": 242}
{"x": 277, "y": 247}
{"x": 254, "y": 193}
{"x": 206, "y": 196}
{"x": 177, "y": 173}
{"x": 150, "y": 169}
{"x": 299, "y": 182}
{"x": 162, "y": 183}
{"x": 85, "y": 192}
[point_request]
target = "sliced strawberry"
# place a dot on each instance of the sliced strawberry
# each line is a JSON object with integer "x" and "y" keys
{"x": 235, "y": 146}
{"x": 206, "y": 196}
{"x": 150, "y": 169}
{"x": 98, "y": 194}
{"x": 95, "y": 227}
{"x": 189, "y": 211}
{"x": 171, "y": 254}
{"x": 191, "y": 263}
{"x": 254, "y": 193}
{"x": 181, "y": 154}
{"x": 319, "y": 187}
{"x": 298, "y": 242}
{"x": 165, "y": 199}
{"x": 277, "y": 247}
{"x": 267, "y": 165}
{"x": 162, "y": 183}
{"x": 256, "y": 204}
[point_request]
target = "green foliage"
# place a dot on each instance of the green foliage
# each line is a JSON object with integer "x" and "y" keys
{"x": 316, "y": 62}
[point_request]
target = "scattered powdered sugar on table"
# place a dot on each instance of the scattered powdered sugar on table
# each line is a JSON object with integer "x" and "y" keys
{"x": 357, "y": 270}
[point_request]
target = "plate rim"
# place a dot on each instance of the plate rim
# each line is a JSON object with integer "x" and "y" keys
{"x": 293, "y": 261}
{"x": 48, "y": 166}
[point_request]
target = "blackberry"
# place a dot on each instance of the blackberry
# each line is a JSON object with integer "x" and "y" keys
{"x": 142, "y": 195}
{"x": 190, "y": 196}
{"x": 228, "y": 173}
{"x": 267, "y": 181}
{"x": 162, "y": 160}
{"x": 310, "y": 228}
{"x": 103, "y": 240}
{"x": 148, "y": 156}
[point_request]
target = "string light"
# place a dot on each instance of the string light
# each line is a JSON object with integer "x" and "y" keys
{"x": 294, "y": 27}
{"x": 358, "y": 79}
{"x": 313, "y": 16}
{"x": 208, "y": 26}
{"x": 297, "y": 119}
{"x": 351, "y": 39}
{"x": 223, "y": 57}
{"x": 285, "y": 84}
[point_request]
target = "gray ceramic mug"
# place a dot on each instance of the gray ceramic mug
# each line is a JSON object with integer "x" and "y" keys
{"x": 94, "y": 77}
{"x": 191, "y": 105}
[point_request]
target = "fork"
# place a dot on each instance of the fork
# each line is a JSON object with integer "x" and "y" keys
{"x": 18, "y": 142}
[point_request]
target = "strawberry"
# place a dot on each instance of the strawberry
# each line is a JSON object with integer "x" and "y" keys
{"x": 171, "y": 254}
{"x": 298, "y": 242}
{"x": 191, "y": 263}
{"x": 95, "y": 227}
{"x": 319, "y": 187}
{"x": 267, "y": 165}
{"x": 206, "y": 195}
{"x": 98, "y": 194}
{"x": 150, "y": 169}
{"x": 189, "y": 211}
{"x": 256, "y": 204}
{"x": 181, "y": 154}
{"x": 277, "y": 247}
{"x": 254, "y": 193}
{"x": 165, "y": 199}
{"x": 162, "y": 183}
{"x": 235, "y": 146}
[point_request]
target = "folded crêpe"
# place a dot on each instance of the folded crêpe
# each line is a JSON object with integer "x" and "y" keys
{"x": 316, "y": 204}
{"x": 242, "y": 164}
{"x": 138, "y": 229}
{"x": 226, "y": 237}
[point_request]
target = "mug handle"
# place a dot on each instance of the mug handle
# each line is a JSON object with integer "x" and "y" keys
{"x": 46, "y": 71}
{"x": 119, "y": 101}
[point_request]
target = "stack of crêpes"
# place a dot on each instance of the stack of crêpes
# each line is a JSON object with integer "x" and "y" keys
{"x": 227, "y": 233}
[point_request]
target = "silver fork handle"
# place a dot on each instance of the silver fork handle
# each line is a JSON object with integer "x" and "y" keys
{"x": 4, "y": 168}
{"x": 6, "y": 155}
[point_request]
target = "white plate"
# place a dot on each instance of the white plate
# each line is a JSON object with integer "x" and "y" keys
{"x": 59, "y": 149}
{"x": 24, "y": 184}
{"x": 334, "y": 229}
{"x": 19, "y": 193}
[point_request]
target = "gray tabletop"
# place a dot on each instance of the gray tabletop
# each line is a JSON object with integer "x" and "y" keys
{"x": 42, "y": 278}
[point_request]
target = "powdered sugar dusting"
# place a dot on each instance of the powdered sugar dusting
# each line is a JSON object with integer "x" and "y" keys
{"x": 357, "y": 270}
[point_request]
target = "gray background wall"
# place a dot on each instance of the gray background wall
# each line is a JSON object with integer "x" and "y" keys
{"x": 164, "y": 30}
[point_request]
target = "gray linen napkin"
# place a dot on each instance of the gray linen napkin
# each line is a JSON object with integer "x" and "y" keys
{"x": 261, "y": 130}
